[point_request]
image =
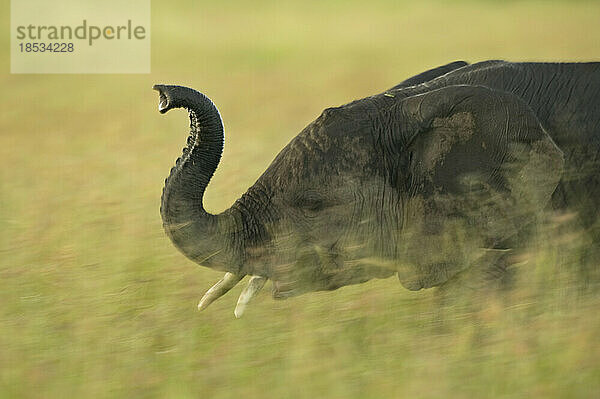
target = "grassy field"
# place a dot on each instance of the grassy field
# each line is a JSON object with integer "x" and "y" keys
{"x": 96, "y": 302}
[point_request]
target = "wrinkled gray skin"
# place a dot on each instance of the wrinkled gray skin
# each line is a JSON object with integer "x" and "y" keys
{"x": 438, "y": 175}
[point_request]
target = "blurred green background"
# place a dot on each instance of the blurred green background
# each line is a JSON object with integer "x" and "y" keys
{"x": 96, "y": 302}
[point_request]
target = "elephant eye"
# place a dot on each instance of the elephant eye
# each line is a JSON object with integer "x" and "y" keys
{"x": 309, "y": 200}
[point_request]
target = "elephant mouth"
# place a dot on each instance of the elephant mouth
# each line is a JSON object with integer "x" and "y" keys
{"x": 321, "y": 268}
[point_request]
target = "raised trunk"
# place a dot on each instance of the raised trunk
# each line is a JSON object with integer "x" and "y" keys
{"x": 199, "y": 235}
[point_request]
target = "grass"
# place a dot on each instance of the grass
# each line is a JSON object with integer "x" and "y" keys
{"x": 97, "y": 303}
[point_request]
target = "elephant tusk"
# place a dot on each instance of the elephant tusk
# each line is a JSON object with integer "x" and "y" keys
{"x": 228, "y": 281}
{"x": 254, "y": 285}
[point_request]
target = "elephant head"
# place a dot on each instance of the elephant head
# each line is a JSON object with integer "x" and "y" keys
{"x": 418, "y": 184}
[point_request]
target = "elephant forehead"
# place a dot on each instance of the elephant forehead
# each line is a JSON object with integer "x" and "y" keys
{"x": 309, "y": 155}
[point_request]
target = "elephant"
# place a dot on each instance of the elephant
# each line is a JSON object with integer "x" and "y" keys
{"x": 436, "y": 177}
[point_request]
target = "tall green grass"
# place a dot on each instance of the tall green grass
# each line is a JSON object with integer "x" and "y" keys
{"x": 97, "y": 303}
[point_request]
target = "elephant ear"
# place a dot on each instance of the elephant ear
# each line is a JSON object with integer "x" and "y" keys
{"x": 478, "y": 156}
